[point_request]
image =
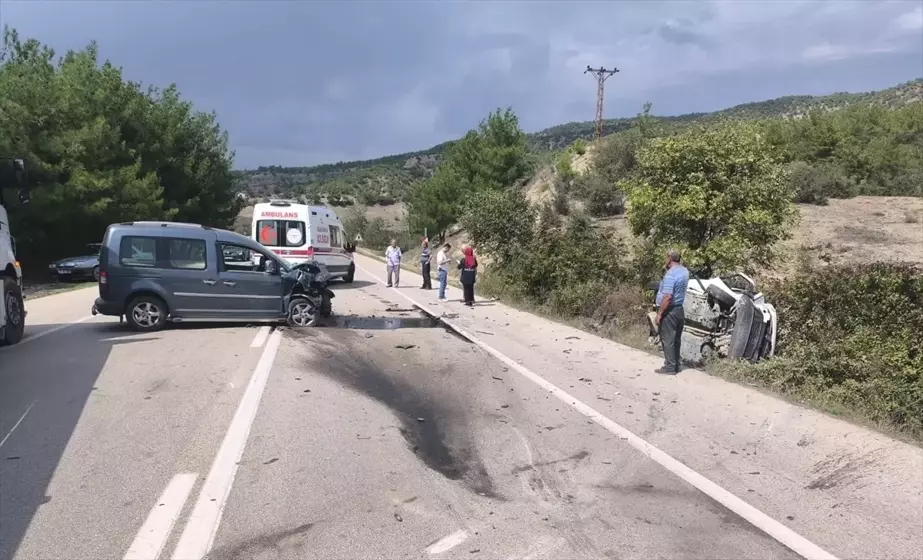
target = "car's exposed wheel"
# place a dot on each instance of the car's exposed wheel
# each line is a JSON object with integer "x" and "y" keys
{"x": 96, "y": 273}
{"x": 146, "y": 313}
{"x": 350, "y": 275}
{"x": 301, "y": 313}
{"x": 15, "y": 312}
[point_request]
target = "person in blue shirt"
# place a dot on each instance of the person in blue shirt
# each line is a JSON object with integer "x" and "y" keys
{"x": 670, "y": 315}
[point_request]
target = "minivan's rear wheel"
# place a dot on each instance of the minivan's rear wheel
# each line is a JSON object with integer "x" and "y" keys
{"x": 146, "y": 313}
{"x": 350, "y": 274}
{"x": 96, "y": 274}
{"x": 301, "y": 313}
{"x": 15, "y": 312}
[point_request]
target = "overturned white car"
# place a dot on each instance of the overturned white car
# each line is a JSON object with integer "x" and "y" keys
{"x": 726, "y": 318}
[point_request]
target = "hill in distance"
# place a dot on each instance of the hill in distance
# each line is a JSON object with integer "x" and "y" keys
{"x": 384, "y": 180}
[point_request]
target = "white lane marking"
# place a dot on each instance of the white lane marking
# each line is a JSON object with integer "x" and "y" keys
{"x": 45, "y": 332}
{"x": 155, "y": 531}
{"x": 800, "y": 545}
{"x": 16, "y": 425}
{"x": 447, "y": 543}
{"x": 199, "y": 534}
{"x": 260, "y": 337}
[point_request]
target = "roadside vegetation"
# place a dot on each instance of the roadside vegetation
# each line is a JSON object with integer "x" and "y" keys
{"x": 100, "y": 149}
{"x": 725, "y": 193}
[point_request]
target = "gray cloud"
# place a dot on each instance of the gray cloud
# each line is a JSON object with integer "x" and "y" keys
{"x": 297, "y": 83}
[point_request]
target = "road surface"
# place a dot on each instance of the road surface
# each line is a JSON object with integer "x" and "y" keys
{"x": 383, "y": 434}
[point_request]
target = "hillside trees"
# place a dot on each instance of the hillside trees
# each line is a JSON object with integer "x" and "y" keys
{"x": 491, "y": 157}
{"x": 719, "y": 194}
{"x": 99, "y": 149}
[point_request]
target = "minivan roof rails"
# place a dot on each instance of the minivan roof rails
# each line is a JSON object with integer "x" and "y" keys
{"x": 153, "y": 223}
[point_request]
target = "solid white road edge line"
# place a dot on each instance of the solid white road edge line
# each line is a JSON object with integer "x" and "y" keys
{"x": 16, "y": 425}
{"x": 447, "y": 543}
{"x": 260, "y": 337}
{"x": 155, "y": 531}
{"x": 802, "y": 546}
{"x": 199, "y": 534}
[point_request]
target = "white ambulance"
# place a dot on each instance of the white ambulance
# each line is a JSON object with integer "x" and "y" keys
{"x": 299, "y": 233}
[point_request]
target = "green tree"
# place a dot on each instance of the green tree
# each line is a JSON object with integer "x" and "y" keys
{"x": 719, "y": 194}
{"x": 434, "y": 204}
{"x": 101, "y": 150}
{"x": 489, "y": 158}
{"x": 499, "y": 222}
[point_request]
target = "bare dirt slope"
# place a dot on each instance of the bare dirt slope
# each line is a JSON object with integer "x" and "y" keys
{"x": 857, "y": 230}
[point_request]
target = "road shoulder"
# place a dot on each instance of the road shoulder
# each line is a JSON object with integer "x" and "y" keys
{"x": 853, "y": 491}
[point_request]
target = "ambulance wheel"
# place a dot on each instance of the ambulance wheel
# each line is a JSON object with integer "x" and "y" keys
{"x": 15, "y": 312}
{"x": 350, "y": 274}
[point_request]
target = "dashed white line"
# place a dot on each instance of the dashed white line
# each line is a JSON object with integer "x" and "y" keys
{"x": 199, "y": 534}
{"x": 16, "y": 425}
{"x": 155, "y": 531}
{"x": 757, "y": 518}
{"x": 260, "y": 337}
{"x": 447, "y": 543}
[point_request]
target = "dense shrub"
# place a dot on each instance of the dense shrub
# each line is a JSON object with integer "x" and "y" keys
{"x": 579, "y": 146}
{"x": 853, "y": 335}
{"x": 603, "y": 199}
{"x": 815, "y": 184}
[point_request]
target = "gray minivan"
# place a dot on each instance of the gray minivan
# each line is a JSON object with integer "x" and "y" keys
{"x": 152, "y": 272}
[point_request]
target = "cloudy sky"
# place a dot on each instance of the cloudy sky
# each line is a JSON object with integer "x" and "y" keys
{"x": 305, "y": 82}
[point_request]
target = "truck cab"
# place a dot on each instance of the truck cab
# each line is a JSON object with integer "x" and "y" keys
{"x": 12, "y": 312}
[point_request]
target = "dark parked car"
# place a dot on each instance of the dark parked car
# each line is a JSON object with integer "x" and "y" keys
{"x": 154, "y": 272}
{"x": 78, "y": 268}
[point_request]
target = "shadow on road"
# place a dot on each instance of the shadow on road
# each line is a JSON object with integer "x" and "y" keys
{"x": 44, "y": 387}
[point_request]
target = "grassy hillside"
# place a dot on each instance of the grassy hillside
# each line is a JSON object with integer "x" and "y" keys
{"x": 385, "y": 180}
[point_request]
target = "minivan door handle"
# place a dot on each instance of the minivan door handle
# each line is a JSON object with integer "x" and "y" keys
{"x": 228, "y": 283}
{"x": 209, "y": 282}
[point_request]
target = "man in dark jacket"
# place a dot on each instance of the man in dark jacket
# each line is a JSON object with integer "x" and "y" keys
{"x": 425, "y": 258}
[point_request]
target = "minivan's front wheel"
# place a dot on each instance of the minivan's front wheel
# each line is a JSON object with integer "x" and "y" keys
{"x": 301, "y": 313}
{"x": 15, "y": 312}
{"x": 146, "y": 313}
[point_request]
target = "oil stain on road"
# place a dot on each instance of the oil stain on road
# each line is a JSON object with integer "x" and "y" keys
{"x": 422, "y": 416}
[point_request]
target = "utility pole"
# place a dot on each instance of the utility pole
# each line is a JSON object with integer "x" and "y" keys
{"x": 601, "y": 75}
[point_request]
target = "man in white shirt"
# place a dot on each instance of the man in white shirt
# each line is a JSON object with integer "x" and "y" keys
{"x": 393, "y": 258}
{"x": 442, "y": 264}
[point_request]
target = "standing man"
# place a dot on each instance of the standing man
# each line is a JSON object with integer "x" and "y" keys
{"x": 670, "y": 315}
{"x": 393, "y": 257}
{"x": 425, "y": 257}
{"x": 442, "y": 264}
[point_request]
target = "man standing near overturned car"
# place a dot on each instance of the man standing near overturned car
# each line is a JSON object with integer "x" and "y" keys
{"x": 670, "y": 316}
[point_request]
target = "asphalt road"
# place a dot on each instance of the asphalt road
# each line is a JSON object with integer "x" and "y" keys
{"x": 378, "y": 435}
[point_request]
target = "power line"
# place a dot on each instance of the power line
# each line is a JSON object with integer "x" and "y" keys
{"x": 601, "y": 75}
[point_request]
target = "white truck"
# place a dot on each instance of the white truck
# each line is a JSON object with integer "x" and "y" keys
{"x": 13, "y": 311}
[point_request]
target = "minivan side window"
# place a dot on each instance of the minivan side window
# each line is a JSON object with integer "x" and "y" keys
{"x": 280, "y": 233}
{"x": 160, "y": 252}
{"x": 187, "y": 254}
{"x": 138, "y": 251}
